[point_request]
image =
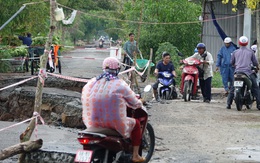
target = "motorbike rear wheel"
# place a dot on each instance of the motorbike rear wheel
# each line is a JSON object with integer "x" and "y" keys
{"x": 187, "y": 91}
{"x": 249, "y": 106}
{"x": 148, "y": 143}
{"x": 59, "y": 66}
{"x": 238, "y": 100}
{"x": 32, "y": 67}
{"x": 167, "y": 95}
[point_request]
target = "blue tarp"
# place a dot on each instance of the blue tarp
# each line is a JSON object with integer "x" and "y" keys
{"x": 221, "y": 33}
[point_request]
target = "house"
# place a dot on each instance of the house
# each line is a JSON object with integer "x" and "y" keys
{"x": 233, "y": 24}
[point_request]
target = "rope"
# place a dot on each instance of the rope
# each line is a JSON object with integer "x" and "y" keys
{"x": 154, "y": 23}
{"x": 33, "y": 3}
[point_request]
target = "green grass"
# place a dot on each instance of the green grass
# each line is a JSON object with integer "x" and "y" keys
{"x": 217, "y": 80}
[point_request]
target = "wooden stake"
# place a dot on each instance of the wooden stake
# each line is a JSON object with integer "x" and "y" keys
{"x": 20, "y": 148}
{"x": 38, "y": 94}
{"x": 149, "y": 68}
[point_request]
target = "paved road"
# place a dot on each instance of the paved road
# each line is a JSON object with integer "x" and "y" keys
{"x": 81, "y": 67}
{"x": 185, "y": 131}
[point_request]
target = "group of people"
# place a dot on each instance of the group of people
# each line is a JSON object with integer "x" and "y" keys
{"x": 231, "y": 60}
{"x": 105, "y": 98}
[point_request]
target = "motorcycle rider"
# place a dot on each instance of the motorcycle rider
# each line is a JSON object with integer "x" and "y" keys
{"x": 164, "y": 65}
{"x": 101, "y": 41}
{"x": 104, "y": 100}
{"x": 242, "y": 59}
{"x": 207, "y": 62}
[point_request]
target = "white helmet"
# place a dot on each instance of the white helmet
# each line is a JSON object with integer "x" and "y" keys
{"x": 243, "y": 41}
{"x": 227, "y": 40}
{"x": 254, "y": 48}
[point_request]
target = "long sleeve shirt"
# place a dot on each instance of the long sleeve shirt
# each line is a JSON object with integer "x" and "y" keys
{"x": 104, "y": 105}
{"x": 208, "y": 72}
{"x": 243, "y": 59}
{"x": 26, "y": 40}
{"x": 224, "y": 56}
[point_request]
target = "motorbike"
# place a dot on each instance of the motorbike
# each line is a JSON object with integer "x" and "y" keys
{"x": 103, "y": 145}
{"x": 101, "y": 43}
{"x": 166, "y": 89}
{"x": 242, "y": 86}
{"x": 189, "y": 78}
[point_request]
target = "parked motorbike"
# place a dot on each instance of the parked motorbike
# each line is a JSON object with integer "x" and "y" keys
{"x": 166, "y": 89}
{"x": 103, "y": 145}
{"x": 189, "y": 78}
{"x": 242, "y": 86}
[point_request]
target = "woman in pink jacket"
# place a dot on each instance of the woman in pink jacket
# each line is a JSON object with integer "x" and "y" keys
{"x": 104, "y": 100}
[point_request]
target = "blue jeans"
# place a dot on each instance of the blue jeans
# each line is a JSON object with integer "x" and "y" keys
{"x": 227, "y": 74}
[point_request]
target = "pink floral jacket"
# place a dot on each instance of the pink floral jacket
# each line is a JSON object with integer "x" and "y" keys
{"x": 104, "y": 105}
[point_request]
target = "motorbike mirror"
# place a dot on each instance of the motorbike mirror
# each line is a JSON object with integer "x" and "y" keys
{"x": 147, "y": 88}
{"x": 180, "y": 54}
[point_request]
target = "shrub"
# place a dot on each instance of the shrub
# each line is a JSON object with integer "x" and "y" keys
{"x": 217, "y": 80}
{"x": 4, "y": 54}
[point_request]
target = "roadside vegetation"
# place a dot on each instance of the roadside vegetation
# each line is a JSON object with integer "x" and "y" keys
{"x": 111, "y": 18}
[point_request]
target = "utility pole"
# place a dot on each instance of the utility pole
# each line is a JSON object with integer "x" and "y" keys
{"x": 25, "y": 136}
{"x": 258, "y": 32}
{"x": 140, "y": 22}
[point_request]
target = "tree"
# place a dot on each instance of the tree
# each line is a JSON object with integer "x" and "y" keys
{"x": 161, "y": 13}
{"x": 33, "y": 19}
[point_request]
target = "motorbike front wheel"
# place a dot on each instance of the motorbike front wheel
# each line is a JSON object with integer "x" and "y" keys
{"x": 238, "y": 100}
{"x": 187, "y": 91}
{"x": 143, "y": 78}
{"x": 167, "y": 95}
{"x": 148, "y": 143}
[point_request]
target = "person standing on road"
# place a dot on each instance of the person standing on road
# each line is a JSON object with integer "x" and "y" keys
{"x": 223, "y": 64}
{"x": 226, "y": 69}
{"x": 254, "y": 48}
{"x": 242, "y": 59}
{"x": 26, "y": 40}
{"x": 206, "y": 73}
{"x": 130, "y": 49}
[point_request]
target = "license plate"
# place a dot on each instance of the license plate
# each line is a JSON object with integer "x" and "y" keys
{"x": 83, "y": 156}
{"x": 238, "y": 83}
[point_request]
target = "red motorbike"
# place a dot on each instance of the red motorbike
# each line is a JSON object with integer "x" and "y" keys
{"x": 189, "y": 78}
{"x": 103, "y": 145}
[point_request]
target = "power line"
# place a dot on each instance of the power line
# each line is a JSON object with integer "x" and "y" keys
{"x": 154, "y": 23}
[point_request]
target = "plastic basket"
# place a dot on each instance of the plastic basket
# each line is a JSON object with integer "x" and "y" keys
{"x": 141, "y": 64}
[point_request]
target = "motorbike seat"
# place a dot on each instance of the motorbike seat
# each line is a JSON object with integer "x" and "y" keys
{"x": 241, "y": 74}
{"x": 104, "y": 131}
